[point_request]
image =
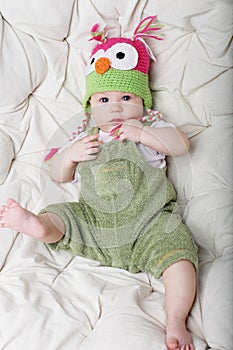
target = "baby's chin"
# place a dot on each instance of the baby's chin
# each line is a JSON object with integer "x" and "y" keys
{"x": 110, "y": 126}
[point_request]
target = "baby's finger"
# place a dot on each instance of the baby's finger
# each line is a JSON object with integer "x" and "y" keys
{"x": 93, "y": 150}
{"x": 94, "y": 144}
{"x": 90, "y": 138}
{"x": 122, "y": 137}
{"x": 2, "y": 221}
{"x": 3, "y": 209}
{"x": 90, "y": 157}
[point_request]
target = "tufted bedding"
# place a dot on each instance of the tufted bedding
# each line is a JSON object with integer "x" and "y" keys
{"x": 52, "y": 300}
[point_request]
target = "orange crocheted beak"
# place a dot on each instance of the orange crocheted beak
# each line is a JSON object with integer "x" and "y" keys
{"x": 102, "y": 65}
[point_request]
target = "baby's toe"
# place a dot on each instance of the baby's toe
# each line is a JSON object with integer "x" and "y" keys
{"x": 11, "y": 202}
{"x": 172, "y": 343}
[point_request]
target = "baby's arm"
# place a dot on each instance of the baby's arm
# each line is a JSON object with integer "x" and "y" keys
{"x": 63, "y": 164}
{"x": 169, "y": 141}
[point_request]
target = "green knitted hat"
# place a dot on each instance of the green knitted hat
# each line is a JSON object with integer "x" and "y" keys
{"x": 121, "y": 64}
{"x": 131, "y": 81}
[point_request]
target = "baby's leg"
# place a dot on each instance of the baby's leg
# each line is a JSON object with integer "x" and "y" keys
{"x": 180, "y": 289}
{"x": 46, "y": 227}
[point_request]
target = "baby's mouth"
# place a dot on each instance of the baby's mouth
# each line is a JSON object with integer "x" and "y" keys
{"x": 116, "y": 121}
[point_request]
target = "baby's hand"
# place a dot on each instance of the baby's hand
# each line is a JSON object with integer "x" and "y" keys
{"x": 85, "y": 149}
{"x": 131, "y": 130}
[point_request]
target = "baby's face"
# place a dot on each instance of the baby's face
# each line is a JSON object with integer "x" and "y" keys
{"x": 112, "y": 108}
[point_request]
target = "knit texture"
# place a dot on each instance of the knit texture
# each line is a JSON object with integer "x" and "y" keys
{"x": 126, "y": 216}
{"x": 119, "y": 64}
{"x": 143, "y": 60}
{"x": 115, "y": 80}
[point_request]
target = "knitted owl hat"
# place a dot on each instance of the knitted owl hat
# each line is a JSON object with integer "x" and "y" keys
{"x": 121, "y": 64}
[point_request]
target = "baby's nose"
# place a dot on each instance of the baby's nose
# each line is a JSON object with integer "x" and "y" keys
{"x": 102, "y": 65}
{"x": 115, "y": 107}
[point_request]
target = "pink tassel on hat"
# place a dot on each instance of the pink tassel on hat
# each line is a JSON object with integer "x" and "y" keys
{"x": 51, "y": 153}
{"x": 114, "y": 133}
{"x": 146, "y": 26}
{"x": 97, "y": 34}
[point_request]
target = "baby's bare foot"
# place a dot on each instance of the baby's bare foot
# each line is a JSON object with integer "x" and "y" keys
{"x": 177, "y": 336}
{"x": 17, "y": 218}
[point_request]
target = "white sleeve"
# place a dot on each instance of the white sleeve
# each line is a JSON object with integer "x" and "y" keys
{"x": 161, "y": 123}
{"x": 155, "y": 159}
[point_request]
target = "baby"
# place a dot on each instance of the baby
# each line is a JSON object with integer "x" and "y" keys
{"x": 126, "y": 216}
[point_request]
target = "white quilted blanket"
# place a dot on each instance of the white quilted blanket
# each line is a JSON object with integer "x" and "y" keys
{"x": 52, "y": 300}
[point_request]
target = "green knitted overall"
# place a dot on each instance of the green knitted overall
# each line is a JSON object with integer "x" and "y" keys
{"x": 126, "y": 216}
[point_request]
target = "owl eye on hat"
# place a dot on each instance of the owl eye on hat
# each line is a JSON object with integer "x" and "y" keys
{"x": 121, "y": 64}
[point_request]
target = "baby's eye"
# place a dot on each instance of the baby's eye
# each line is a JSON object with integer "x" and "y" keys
{"x": 104, "y": 99}
{"x": 126, "y": 98}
